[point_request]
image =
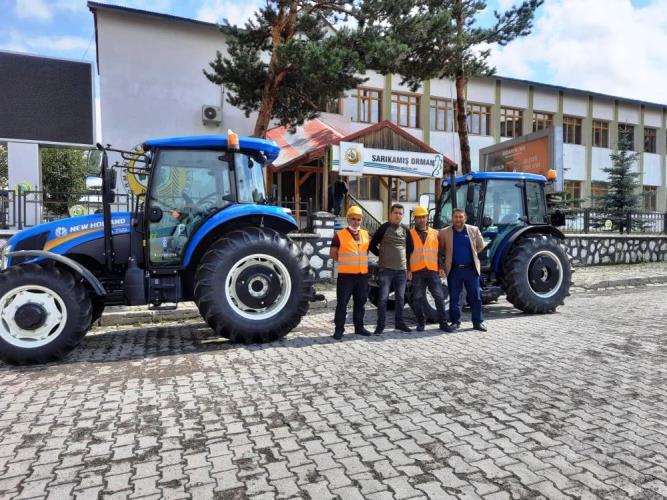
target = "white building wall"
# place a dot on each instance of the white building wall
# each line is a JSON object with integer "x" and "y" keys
{"x": 600, "y": 160}
{"x": 575, "y": 105}
{"x": 545, "y": 100}
{"x": 574, "y": 162}
{"x": 152, "y": 82}
{"x": 480, "y": 90}
{"x": 514, "y": 95}
{"x": 603, "y": 109}
{"x": 652, "y": 118}
{"x": 628, "y": 113}
{"x": 447, "y": 90}
{"x": 652, "y": 175}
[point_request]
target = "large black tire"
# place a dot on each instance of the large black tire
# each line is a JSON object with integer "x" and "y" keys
{"x": 537, "y": 274}
{"x": 97, "y": 309}
{"x": 430, "y": 312}
{"x": 374, "y": 295}
{"x": 228, "y": 276}
{"x": 62, "y": 296}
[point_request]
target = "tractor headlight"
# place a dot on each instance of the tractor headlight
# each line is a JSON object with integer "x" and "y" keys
{"x": 3, "y": 256}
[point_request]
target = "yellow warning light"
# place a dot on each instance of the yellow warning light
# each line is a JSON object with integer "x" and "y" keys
{"x": 552, "y": 175}
{"x": 232, "y": 140}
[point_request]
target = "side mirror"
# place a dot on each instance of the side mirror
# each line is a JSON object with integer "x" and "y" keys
{"x": 425, "y": 200}
{"x": 155, "y": 214}
{"x": 93, "y": 183}
{"x": 112, "y": 175}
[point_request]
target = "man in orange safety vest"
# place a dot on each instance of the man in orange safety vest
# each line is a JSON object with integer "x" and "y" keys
{"x": 349, "y": 249}
{"x": 423, "y": 269}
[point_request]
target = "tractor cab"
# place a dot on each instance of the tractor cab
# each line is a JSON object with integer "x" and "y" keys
{"x": 499, "y": 203}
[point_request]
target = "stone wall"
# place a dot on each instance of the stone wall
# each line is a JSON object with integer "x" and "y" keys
{"x": 316, "y": 245}
{"x": 596, "y": 249}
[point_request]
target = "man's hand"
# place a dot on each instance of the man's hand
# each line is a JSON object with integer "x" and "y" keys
{"x": 409, "y": 275}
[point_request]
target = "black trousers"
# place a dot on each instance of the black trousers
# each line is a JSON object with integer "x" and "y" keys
{"x": 353, "y": 286}
{"x": 421, "y": 280}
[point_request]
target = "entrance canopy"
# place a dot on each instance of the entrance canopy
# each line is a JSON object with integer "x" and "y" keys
{"x": 381, "y": 164}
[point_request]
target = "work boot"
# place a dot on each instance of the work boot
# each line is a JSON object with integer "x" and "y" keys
{"x": 446, "y": 328}
{"x": 455, "y": 326}
{"x": 338, "y": 335}
{"x": 403, "y": 328}
{"x": 420, "y": 327}
{"x": 378, "y": 331}
{"x": 363, "y": 332}
{"x": 479, "y": 326}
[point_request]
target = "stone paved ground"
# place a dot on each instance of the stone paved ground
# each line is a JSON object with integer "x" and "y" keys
{"x": 566, "y": 405}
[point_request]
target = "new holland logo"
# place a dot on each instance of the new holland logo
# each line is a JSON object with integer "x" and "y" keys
{"x": 61, "y": 231}
{"x": 352, "y": 155}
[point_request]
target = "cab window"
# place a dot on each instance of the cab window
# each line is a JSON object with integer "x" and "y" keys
{"x": 187, "y": 188}
{"x": 446, "y": 208}
{"x": 535, "y": 203}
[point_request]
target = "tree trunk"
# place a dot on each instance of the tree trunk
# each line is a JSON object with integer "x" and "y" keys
{"x": 464, "y": 145}
{"x": 462, "y": 125}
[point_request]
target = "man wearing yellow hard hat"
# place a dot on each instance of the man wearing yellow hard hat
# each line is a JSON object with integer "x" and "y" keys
{"x": 424, "y": 270}
{"x": 349, "y": 249}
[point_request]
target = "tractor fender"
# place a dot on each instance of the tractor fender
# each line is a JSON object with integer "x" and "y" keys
{"x": 509, "y": 241}
{"x": 72, "y": 264}
{"x": 237, "y": 217}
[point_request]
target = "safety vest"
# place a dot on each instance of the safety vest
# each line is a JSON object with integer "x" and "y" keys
{"x": 424, "y": 255}
{"x": 352, "y": 254}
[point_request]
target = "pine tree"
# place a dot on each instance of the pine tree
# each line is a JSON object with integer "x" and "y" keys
{"x": 4, "y": 168}
{"x": 621, "y": 196}
{"x": 288, "y": 60}
{"x": 442, "y": 39}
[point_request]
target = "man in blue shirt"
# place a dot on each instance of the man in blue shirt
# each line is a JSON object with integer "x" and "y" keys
{"x": 460, "y": 244}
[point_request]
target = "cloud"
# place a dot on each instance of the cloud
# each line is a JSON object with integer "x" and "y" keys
{"x": 237, "y": 13}
{"x": 606, "y": 46}
{"x": 37, "y": 10}
{"x": 42, "y": 44}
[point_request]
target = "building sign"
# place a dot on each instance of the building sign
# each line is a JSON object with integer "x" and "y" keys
{"x": 385, "y": 162}
{"x": 535, "y": 153}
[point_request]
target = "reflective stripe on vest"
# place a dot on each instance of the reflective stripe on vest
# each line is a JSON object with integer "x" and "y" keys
{"x": 424, "y": 255}
{"x": 353, "y": 255}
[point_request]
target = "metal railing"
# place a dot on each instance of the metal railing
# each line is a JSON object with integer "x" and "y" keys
{"x": 593, "y": 220}
{"x": 370, "y": 224}
{"x": 303, "y": 212}
{"x": 23, "y": 209}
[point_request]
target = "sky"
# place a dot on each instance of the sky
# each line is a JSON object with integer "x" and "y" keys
{"x": 614, "y": 47}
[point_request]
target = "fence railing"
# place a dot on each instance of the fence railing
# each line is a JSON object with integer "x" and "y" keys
{"x": 30, "y": 208}
{"x": 303, "y": 212}
{"x": 592, "y": 220}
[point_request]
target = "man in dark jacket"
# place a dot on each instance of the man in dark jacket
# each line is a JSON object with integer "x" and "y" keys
{"x": 392, "y": 243}
{"x": 340, "y": 190}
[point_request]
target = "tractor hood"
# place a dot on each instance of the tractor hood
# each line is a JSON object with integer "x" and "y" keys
{"x": 61, "y": 235}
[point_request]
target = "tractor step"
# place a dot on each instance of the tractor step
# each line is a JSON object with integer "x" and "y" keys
{"x": 163, "y": 307}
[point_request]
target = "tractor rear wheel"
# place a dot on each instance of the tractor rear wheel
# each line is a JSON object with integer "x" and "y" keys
{"x": 537, "y": 274}
{"x": 253, "y": 285}
{"x": 430, "y": 312}
{"x": 44, "y": 313}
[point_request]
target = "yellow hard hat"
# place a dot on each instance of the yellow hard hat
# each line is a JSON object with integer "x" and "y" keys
{"x": 354, "y": 210}
{"x": 419, "y": 212}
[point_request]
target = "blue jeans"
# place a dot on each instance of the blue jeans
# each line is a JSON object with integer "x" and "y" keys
{"x": 387, "y": 278}
{"x": 457, "y": 279}
{"x": 421, "y": 280}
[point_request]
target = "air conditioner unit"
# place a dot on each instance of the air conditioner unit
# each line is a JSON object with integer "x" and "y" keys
{"x": 211, "y": 115}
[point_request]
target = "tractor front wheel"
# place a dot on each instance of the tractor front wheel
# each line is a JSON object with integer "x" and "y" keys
{"x": 537, "y": 274}
{"x": 253, "y": 285}
{"x": 44, "y": 313}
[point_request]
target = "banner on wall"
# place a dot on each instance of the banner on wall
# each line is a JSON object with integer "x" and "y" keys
{"x": 352, "y": 159}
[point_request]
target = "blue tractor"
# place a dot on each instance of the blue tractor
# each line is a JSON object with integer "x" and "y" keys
{"x": 524, "y": 256}
{"x": 202, "y": 230}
